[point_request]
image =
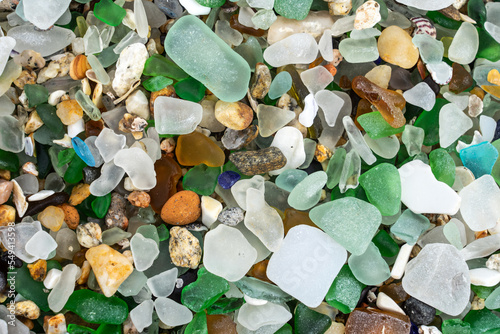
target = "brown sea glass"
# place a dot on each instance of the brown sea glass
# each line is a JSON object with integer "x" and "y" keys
{"x": 461, "y": 79}
{"x": 168, "y": 173}
{"x": 294, "y": 217}
{"x": 364, "y": 107}
{"x": 395, "y": 291}
{"x": 373, "y": 321}
{"x": 195, "y": 148}
{"x": 220, "y": 323}
{"x": 258, "y": 270}
{"x": 93, "y": 128}
{"x": 389, "y": 103}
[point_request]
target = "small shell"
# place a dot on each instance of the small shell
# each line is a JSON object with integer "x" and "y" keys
{"x": 19, "y": 199}
{"x": 97, "y": 96}
{"x": 423, "y": 26}
{"x": 86, "y": 86}
{"x": 79, "y": 67}
{"x": 29, "y": 145}
{"x": 30, "y": 168}
{"x": 64, "y": 142}
{"x": 135, "y": 84}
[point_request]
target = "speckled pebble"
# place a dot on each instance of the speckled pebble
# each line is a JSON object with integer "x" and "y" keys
{"x": 185, "y": 250}
{"x": 116, "y": 215}
{"x": 232, "y": 216}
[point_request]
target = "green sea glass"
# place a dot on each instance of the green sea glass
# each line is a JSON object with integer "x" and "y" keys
{"x": 376, "y": 126}
{"x": 382, "y": 185}
{"x": 308, "y": 321}
{"x": 201, "y": 179}
{"x": 109, "y": 12}
{"x": 345, "y": 291}
{"x": 204, "y": 291}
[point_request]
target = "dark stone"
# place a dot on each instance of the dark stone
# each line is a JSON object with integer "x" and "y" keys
{"x": 419, "y": 312}
{"x": 90, "y": 174}
{"x": 234, "y": 139}
{"x": 258, "y": 162}
{"x": 400, "y": 79}
{"x": 38, "y": 206}
{"x": 434, "y": 86}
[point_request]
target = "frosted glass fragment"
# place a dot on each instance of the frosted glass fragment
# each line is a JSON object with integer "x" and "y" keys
{"x": 359, "y": 50}
{"x": 465, "y": 44}
{"x": 453, "y": 123}
{"x": 351, "y": 170}
{"x": 421, "y": 95}
{"x": 427, "y": 4}
{"x": 385, "y": 147}
{"x": 111, "y": 175}
{"x": 172, "y": 313}
{"x": 144, "y": 251}
{"x": 281, "y": 84}
{"x": 290, "y": 141}
{"x": 325, "y": 45}
{"x": 296, "y": 49}
{"x": 227, "y": 253}
{"x": 109, "y": 143}
{"x": 254, "y": 317}
{"x": 307, "y": 116}
{"x": 331, "y": 104}
{"x": 422, "y": 193}
{"x": 479, "y": 208}
{"x": 45, "y": 42}
{"x": 176, "y": 116}
{"x": 316, "y": 78}
{"x": 370, "y": 267}
{"x": 43, "y": 14}
{"x": 431, "y": 50}
{"x": 357, "y": 141}
{"x": 208, "y": 59}
{"x": 41, "y": 245}
{"x": 263, "y": 220}
{"x": 306, "y": 247}
{"x": 142, "y": 315}
{"x": 239, "y": 189}
{"x": 139, "y": 167}
{"x": 307, "y": 193}
{"x": 6, "y": 46}
{"x": 439, "y": 276}
{"x": 162, "y": 285}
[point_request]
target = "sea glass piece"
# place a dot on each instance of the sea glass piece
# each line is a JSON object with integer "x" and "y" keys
{"x": 139, "y": 167}
{"x": 298, "y": 48}
{"x": 195, "y": 148}
{"x": 316, "y": 78}
{"x": 334, "y": 168}
{"x": 11, "y": 135}
{"x": 144, "y": 251}
{"x": 290, "y": 141}
{"x": 431, "y": 50}
{"x": 369, "y": 267}
{"x": 305, "y": 244}
{"x": 111, "y": 175}
{"x": 45, "y": 42}
{"x": 339, "y": 217}
{"x": 254, "y": 317}
{"x": 349, "y": 177}
{"x": 359, "y": 50}
{"x": 427, "y": 4}
{"x": 290, "y": 178}
{"x": 345, "y": 291}
{"x": 376, "y": 126}
{"x": 293, "y": 9}
{"x": 439, "y": 277}
{"x": 453, "y": 123}
{"x": 422, "y": 193}
{"x": 410, "y": 226}
{"x": 442, "y": 166}
{"x": 465, "y": 44}
{"x": 204, "y": 291}
{"x": 172, "y": 313}
{"x": 479, "y": 207}
{"x": 109, "y": 12}
{"x": 6, "y": 46}
{"x": 357, "y": 141}
{"x": 227, "y": 253}
{"x": 271, "y": 119}
{"x": 308, "y": 192}
{"x": 421, "y": 95}
{"x": 281, "y": 84}
{"x": 479, "y": 158}
{"x": 331, "y": 104}
{"x": 385, "y": 147}
{"x": 413, "y": 138}
{"x": 64, "y": 288}
{"x": 263, "y": 221}
{"x": 389, "y": 103}
{"x": 44, "y": 15}
{"x": 382, "y": 186}
{"x": 176, "y": 116}
{"x": 208, "y": 59}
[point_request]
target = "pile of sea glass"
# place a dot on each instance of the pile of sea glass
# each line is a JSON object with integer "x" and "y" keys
{"x": 250, "y": 166}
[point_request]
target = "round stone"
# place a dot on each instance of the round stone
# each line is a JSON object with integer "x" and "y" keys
{"x": 396, "y": 47}
{"x": 182, "y": 208}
